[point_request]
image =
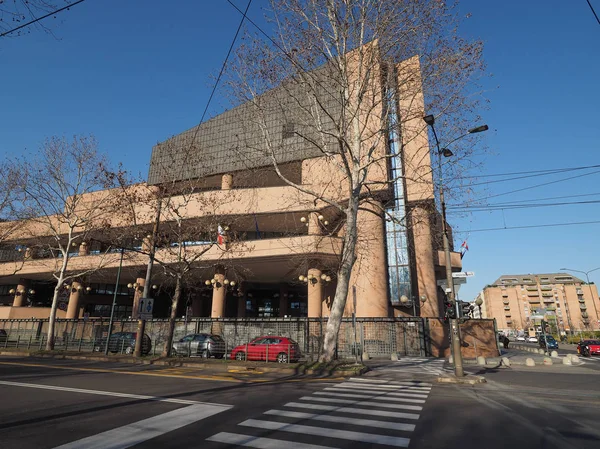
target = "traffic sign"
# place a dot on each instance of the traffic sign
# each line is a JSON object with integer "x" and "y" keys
{"x": 463, "y": 274}
{"x": 146, "y": 308}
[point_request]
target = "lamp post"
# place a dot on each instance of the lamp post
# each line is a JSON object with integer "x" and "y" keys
{"x": 587, "y": 277}
{"x": 454, "y": 330}
{"x": 478, "y": 303}
{"x": 405, "y": 302}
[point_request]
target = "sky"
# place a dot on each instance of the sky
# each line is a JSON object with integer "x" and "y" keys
{"x": 135, "y": 76}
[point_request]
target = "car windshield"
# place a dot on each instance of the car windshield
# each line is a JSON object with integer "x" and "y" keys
{"x": 550, "y": 339}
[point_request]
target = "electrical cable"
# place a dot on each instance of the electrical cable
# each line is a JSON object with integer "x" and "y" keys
{"x": 41, "y": 18}
{"x": 592, "y": 8}
{"x": 534, "y": 226}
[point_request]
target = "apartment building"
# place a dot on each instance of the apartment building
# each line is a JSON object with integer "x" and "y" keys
{"x": 520, "y": 302}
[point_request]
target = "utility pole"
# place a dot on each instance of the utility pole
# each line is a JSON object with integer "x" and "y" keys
{"x": 454, "y": 328}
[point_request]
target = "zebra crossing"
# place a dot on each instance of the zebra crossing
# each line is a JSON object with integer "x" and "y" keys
{"x": 348, "y": 414}
{"x": 417, "y": 365}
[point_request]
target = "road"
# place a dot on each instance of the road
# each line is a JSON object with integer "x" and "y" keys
{"x": 79, "y": 404}
{"x": 592, "y": 363}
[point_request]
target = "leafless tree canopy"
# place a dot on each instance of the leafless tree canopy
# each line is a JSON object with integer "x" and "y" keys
{"x": 17, "y": 12}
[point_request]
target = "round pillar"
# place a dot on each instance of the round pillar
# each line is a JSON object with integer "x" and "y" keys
{"x": 218, "y": 297}
{"x": 227, "y": 181}
{"x": 315, "y": 293}
{"x": 369, "y": 274}
{"x": 84, "y": 249}
{"x": 20, "y": 293}
{"x": 73, "y": 308}
{"x": 137, "y": 295}
{"x": 314, "y": 224}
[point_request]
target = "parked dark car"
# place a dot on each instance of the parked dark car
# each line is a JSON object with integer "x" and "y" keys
{"x": 3, "y": 336}
{"x": 548, "y": 342}
{"x": 204, "y": 345}
{"x": 271, "y": 348}
{"x": 123, "y": 342}
{"x": 587, "y": 348}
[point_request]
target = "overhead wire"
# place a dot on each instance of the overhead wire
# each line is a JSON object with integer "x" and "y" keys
{"x": 31, "y": 22}
{"x": 593, "y": 11}
{"x": 547, "y": 225}
{"x": 549, "y": 171}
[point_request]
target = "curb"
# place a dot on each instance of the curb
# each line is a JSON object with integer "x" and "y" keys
{"x": 467, "y": 380}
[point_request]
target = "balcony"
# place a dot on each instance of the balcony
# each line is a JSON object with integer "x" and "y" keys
{"x": 582, "y": 306}
{"x": 579, "y": 291}
{"x": 546, "y": 288}
{"x": 532, "y": 289}
{"x": 585, "y": 315}
{"x": 581, "y": 299}
{"x": 505, "y": 302}
{"x": 547, "y": 294}
{"x": 535, "y": 293}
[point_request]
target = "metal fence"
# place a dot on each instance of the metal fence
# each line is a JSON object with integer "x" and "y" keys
{"x": 379, "y": 337}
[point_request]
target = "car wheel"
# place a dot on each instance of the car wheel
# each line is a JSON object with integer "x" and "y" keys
{"x": 128, "y": 350}
{"x": 282, "y": 357}
{"x": 219, "y": 356}
{"x": 241, "y": 356}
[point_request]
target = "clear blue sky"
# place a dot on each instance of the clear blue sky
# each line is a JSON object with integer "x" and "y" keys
{"x": 133, "y": 76}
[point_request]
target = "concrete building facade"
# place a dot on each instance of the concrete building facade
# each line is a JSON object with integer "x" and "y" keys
{"x": 280, "y": 246}
{"x": 518, "y": 303}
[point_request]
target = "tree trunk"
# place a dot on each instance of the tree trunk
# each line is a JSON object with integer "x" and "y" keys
{"x": 52, "y": 319}
{"x": 174, "y": 303}
{"x": 343, "y": 283}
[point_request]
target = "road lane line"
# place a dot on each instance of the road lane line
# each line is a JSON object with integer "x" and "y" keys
{"x": 366, "y": 396}
{"x": 362, "y": 403}
{"x": 344, "y": 420}
{"x": 352, "y": 410}
{"x": 108, "y": 393}
{"x": 325, "y": 432}
{"x": 392, "y": 394}
{"x": 385, "y": 387}
{"x": 235, "y": 439}
{"x": 146, "y": 429}
{"x": 411, "y": 383}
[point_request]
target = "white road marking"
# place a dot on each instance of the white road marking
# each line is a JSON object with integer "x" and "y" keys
{"x": 362, "y": 403}
{"x": 138, "y": 432}
{"x": 353, "y": 410}
{"x": 410, "y": 383}
{"x": 366, "y": 396}
{"x": 325, "y": 432}
{"x": 385, "y": 387}
{"x": 408, "y": 394}
{"x": 260, "y": 443}
{"x": 344, "y": 420}
{"x": 108, "y": 393}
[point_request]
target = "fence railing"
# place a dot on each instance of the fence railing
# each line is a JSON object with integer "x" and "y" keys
{"x": 379, "y": 337}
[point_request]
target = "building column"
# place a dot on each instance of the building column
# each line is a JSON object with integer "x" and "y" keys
{"x": 73, "y": 308}
{"x": 314, "y": 224}
{"x": 315, "y": 293}
{"x": 84, "y": 249}
{"x": 424, "y": 262}
{"x": 137, "y": 295}
{"x": 227, "y": 181}
{"x": 241, "y": 309}
{"x": 370, "y": 274}
{"x": 283, "y": 301}
{"x": 20, "y": 293}
{"x": 218, "y": 296}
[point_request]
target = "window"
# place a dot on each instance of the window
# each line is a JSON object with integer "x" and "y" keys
{"x": 288, "y": 131}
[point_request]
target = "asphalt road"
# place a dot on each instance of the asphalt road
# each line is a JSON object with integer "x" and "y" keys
{"x": 592, "y": 363}
{"x": 74, "y": 405}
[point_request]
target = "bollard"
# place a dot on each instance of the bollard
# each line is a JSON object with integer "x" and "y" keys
{"x": 574, "y": 358}
{"x": 529, "y": 362}
{"x": 365, "y": 355}
{"x": 505, "y": 361}
{"x": 481, "y": 360}
{"x": 547, "y": 361}
{"x": 394, "y": 357}
{"x": 567, "y": 361}
{"x": 554, "y": 354}
{"x": 451, "y": 359}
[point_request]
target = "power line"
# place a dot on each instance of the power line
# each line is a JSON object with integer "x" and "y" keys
{"x": 531, "y": 175}
{"x": 547, "y": 171}
{"x": 506, "y": 228}
{"x": 516, "y": 206}
{"x": 530, "y": 200}
{"x": 41, "y": 18}
{"x": 592, "y": 8}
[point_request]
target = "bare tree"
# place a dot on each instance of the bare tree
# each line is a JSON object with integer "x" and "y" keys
{"x": 15, "y": 15}
{"x": 346, "y": 77}
{"x": 66, "y": 199}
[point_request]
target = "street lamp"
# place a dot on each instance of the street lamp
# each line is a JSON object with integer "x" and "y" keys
{"x": 405, "y": 302}
{"x": 478, "y": 303}
{"x": 454, "y": 331}
{"x": 587, "y": 277}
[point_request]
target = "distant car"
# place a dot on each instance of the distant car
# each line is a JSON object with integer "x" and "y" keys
{"x": 271, "y": 348}
{"x": 520, "y": 337}
{"x": 123, "y": 342}
{"x": 3, "y": 336}
{"x": 532, "y": 339}
{"x": 548, "y": 342}
{"x": 204, "y": 345}
{"x": 587, "y": 348}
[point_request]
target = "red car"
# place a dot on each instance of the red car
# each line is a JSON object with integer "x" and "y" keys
{"x": 271, "y": 348}
{"x": 588, "y": 348}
